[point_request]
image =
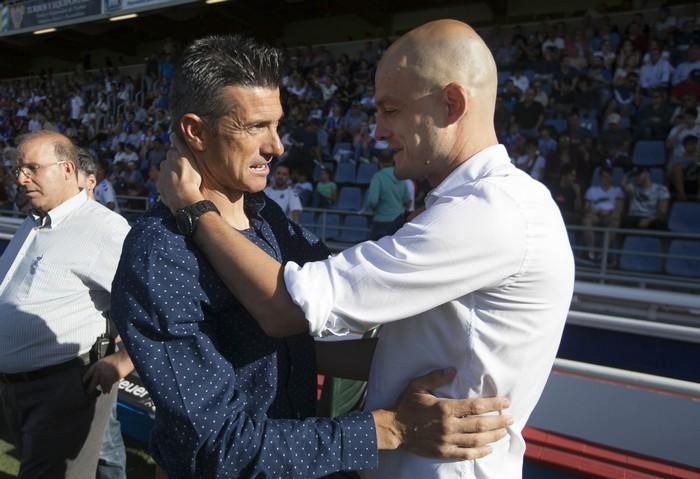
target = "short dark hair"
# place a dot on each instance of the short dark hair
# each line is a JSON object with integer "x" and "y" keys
{"x": 210, "y": 64}
{"x": 86, "y": 162}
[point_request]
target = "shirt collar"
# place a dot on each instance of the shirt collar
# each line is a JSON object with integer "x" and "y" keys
{"x": 253, "y": 204}
{"x": 61, "y": 212}
{"x": 479, "y": 165}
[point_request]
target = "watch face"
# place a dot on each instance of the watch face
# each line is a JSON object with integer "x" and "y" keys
{"x": 184, "y": 222}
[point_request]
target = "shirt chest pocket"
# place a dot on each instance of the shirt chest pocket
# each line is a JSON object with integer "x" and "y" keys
{"x": 52, "y": 278}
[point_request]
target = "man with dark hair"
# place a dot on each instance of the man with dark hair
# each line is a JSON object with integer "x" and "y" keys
{"x": 232, "y": 401}
{"x": 481, "y": 280}
{"x": 603, "y": 205}
{"x": 55, "y": 280}
{"x": 648, "y": 201}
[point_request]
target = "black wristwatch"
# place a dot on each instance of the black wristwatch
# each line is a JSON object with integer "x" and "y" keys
{"x": 187, "y": 218}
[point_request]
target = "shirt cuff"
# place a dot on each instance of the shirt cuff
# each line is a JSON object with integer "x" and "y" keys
{"x": 359, "y": 441}
{"x": 311, "y": 288}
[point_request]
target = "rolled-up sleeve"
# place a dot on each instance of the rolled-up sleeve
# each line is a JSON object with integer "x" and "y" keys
{"x": 455, "y": 247}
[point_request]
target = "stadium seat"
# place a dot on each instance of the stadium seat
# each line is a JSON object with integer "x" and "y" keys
{"x": 349, "y": 198}
{"x": 649, "y": 153}
{"x": 365, "y": 173}
{"x": 358, "y": 229}
{"x": 618, "y": 173}
{"x": 308, "y": 221}
{"x": 685, "y": 217}
{"x": 345, "y": 173}
{"x": 329, "y": 230}
{"x": 684, "y": 266}
{"x": 631, "y": 260}
{"x": 3, "y": 245}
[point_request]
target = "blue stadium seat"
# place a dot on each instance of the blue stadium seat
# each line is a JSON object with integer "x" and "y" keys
{"x": 649, "y": 153}
{"x": 359, "y": 229}
{"x": 558, "y": 124}
{"x": 630, "y": 261}
{"x": 684, "y": 266}
{"x": 365, "y": 173}
{"x": 3, "y": 245}
{"x": 618, "y": 173}
{"x": 658, "y": 176}
{"x": 330, "y": 231}
{"x": 345, "y": 173}
{"x": 349, "y": 198}
{"x": 308, "y": 220}
{"x": 685, "y": 217}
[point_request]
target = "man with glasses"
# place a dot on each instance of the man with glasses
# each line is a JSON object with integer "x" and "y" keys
{"x": 56, "y": 373}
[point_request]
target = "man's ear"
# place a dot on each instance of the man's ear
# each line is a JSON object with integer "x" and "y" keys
{"x": 457, "y": 102}
{"x": 195, "y": 131}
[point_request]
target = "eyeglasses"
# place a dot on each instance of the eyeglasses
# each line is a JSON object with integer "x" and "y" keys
{"x": 31, "y": 170}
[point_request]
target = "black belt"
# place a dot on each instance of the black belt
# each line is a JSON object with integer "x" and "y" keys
{"x": 8, "y": 378}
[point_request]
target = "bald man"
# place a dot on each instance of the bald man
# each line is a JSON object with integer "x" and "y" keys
{"x": 55, "y": 282}
{"x": 480, "y": 281}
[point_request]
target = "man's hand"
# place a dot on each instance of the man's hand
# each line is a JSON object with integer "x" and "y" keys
{"x": 104, "y": 373}
{"x": 179, "y": 181}
{"x": 444, "y": 428}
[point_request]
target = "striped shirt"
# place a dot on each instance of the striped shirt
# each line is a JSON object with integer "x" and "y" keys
{"x": 55, "y": 282}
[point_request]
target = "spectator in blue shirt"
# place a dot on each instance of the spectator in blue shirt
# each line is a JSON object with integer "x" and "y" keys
{"x": 230, "y": 400}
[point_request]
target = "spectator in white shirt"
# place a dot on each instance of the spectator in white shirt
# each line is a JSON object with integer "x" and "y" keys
{"x": 104, "y": 191}
{"x": 603, "y": 206}
{"x": 55, "y": 283}
{"x": 480, "y": 281}
{"x": 656, "y": 73}
{"x": 283, "y": 194}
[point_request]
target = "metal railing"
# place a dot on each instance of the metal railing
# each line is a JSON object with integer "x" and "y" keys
{"x": 602, "y": 269}
{"x": 633, "y": 378}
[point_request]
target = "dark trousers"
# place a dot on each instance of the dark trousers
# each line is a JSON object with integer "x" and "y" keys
{"x": 57, "y": 427}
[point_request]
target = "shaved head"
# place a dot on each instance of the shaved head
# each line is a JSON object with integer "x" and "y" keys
{"x": 443, "y": 52}
{"x": 436, "y": 96}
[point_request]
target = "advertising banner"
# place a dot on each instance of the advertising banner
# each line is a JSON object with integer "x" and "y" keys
{"x": 46, "y": 13}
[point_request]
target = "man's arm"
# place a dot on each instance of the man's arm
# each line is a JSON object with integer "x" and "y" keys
{"x": 213, "y": 431}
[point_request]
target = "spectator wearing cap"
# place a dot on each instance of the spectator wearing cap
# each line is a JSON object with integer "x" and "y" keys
{"x": 684, "y": 170}
{"x": 648, "y": 205}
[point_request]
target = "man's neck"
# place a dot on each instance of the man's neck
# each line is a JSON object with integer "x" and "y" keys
{"x": 231, "y": 207}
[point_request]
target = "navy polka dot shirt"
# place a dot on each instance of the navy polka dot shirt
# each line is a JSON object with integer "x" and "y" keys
{"x": 230, "y": 401}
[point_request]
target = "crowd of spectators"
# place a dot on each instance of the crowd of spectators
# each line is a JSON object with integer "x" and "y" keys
{"x": 574, "y": 100}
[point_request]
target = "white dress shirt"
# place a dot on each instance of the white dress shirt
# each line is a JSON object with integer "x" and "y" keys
{"x": 55, "y": 283}
{"x": 481, "y": 281}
